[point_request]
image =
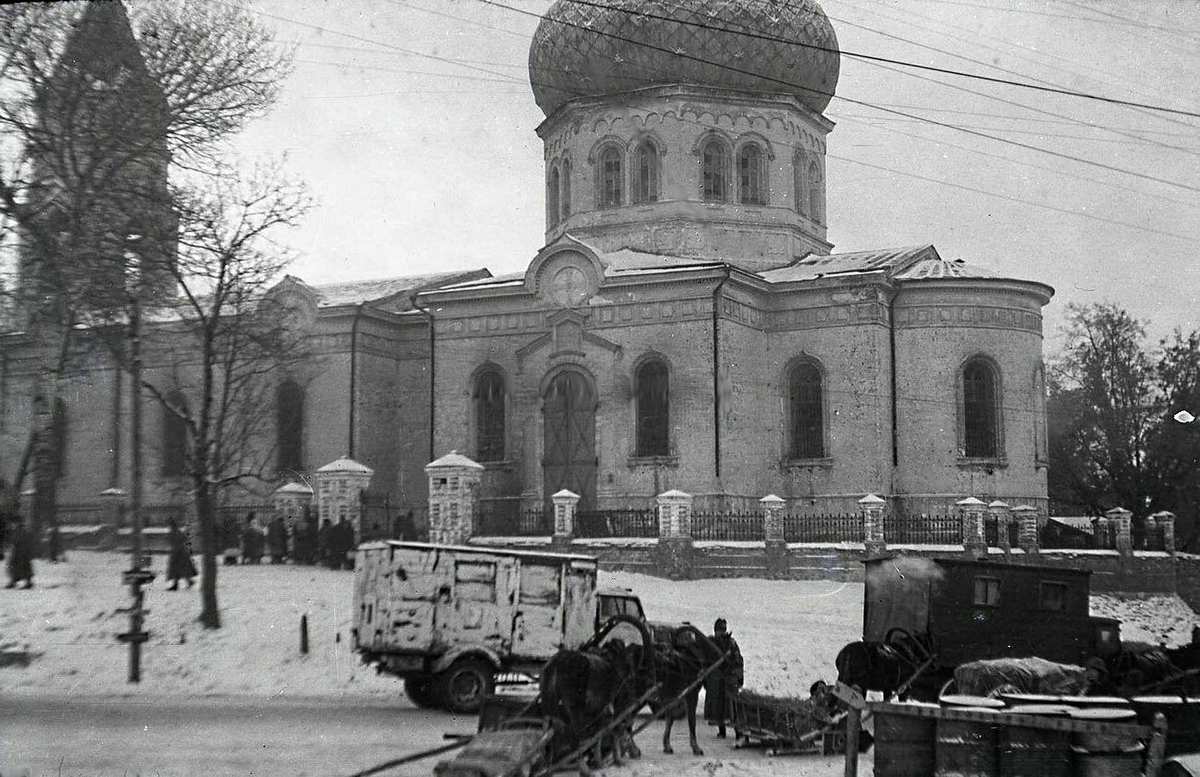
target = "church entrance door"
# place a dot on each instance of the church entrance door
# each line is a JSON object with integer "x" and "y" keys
{"x": 569, "y": 408}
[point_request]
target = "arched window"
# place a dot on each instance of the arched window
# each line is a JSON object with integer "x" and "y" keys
{"x": 489, "y": 416}
{"x": 611, "y": 193}
{"x": 552, "y": 196}
{"x": 752, "y": 189}
{"x": 174, "y": 435}
{"x": 981, "y": 425}
{"x": 713, "y": 164}
{"x": 565, "y": 198}
{"x": 1040, "y": 442}
{"x": 645, "y": 173}
{"x": 816, "y": 204}
{"x": 289, "y": 409}
{"x": 652, "y": 392}
{"x": 806, "y": 410}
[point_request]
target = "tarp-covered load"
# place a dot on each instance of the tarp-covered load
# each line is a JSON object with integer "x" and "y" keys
{"x": 1023, "y": 675}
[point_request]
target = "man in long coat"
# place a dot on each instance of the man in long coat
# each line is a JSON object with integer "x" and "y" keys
{"x": 326, "y": 540}
{"x": 179, "y": 563}
{"x": 721, "y": 685}
{"x": 277, "y": 539}
{"x": 20, "y": 556}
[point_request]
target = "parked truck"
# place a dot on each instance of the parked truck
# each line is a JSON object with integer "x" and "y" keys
{"x": 448, "y": 619}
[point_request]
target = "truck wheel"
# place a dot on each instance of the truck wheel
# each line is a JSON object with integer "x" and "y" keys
{"x": 461, "y": 688}
{"x": 420, "y": 691}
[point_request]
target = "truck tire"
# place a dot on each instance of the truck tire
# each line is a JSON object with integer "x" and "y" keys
{"x": 421, "y": 691}
{"x": 463, "y": 686}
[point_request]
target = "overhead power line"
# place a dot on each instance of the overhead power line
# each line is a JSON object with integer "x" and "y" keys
{"x": 868, "y": 57}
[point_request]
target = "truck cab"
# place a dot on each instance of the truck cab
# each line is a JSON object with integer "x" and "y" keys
{"x": 614, "y": 601}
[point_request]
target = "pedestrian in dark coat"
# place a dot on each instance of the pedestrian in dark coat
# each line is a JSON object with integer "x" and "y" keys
{"x": 252, "y": 541}
{"x": 20, "y": 556}
{"x": 179, "y": 564}
{"x": 347, "y": 542}
{"x": 301, "y": 554}
{"x": 277, "y": 540}
{"x": 722, "y": 684}
{"x": 326, "y": 539}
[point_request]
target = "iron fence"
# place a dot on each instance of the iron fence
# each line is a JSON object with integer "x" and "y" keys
{"x": 1145, "y": 537}
{"x": 507, "y": 518}
{"x": 632, "y": 522}
{"x": 992, "y": 528}
{"x": 922, "y": 529}
{"x": 727, "y": 526}
{"x": 829, "y": 527}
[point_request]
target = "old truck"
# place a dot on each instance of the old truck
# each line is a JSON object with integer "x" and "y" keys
{"x": 448, "y": 619}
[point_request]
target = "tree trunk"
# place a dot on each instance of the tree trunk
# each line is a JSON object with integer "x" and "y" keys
{"x": 206, "y": 514}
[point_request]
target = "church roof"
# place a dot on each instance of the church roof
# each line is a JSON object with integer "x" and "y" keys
{"x": 357, "y": 292}
{"x": 902, "y": 264}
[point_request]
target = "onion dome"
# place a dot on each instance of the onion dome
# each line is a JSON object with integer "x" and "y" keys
{"x": 597, "y": 47}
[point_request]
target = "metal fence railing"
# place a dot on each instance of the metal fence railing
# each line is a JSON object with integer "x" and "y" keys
{"x": 826, "y": 527}
{"x": 922, "y": 529}
{"x": 634, "y": 522}
{"x": 992, "y": 528}
{"x": 507, "y": 518}
{"x": 727, "y": 526}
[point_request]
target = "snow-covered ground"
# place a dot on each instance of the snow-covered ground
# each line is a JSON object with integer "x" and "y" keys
{"x": 789, "y": 631}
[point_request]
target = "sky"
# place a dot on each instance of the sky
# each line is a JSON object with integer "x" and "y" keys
{"x": 413, "y": 124}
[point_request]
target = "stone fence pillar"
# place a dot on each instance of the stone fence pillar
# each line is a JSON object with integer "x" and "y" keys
{"x": 1027, "y": 527}
{"x": 564, "y": 513}
{"x": 290, "y": 502}
{"x": 872, "y": 507}
{"x": 339, "y": 492}
{"x": 974, "y": 540}
{"x": 675, "y": 548}
{"x": 453, "y": 498}
{"x": 1122, "y": 521}
{"x": 1166, "y": 522}
{"x": 779, "y": 564}
{"x": 1000, "y": 513}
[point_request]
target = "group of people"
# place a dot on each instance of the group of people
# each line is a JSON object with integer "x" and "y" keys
{"x": 329, "y": 545}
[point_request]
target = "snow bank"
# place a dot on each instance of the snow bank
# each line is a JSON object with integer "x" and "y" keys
{"x": 1154, "y": 619}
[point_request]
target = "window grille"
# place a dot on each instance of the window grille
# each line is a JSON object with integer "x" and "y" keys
{"x": 979, "y": 410}
{"x": 565, "y": 189}
{"x": 815, "y": 204}
{"x": 610, "y": 178}
{"x": 552, "y": 197}
{"x": 713, "y": 174}
{"x": 645, "y": 185}
{"x": 489, "y": 416}
{"x": 751, "y": 189}
{"x": 653, "y": 410}
{"x": 807, "y": 421}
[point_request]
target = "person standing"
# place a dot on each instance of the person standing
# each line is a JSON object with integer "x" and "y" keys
{"x": 346, "y": 543}
{"x": 721, "y": 685}
{"x": 179, "y": 565}
{"x": 277, "y": 539}
{"x": 252, "y": 541}
{"x": 20, "y": 556}
{"x": 326, "y": 539}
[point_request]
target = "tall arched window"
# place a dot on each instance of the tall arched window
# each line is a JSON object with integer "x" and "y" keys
{"x": 1040, "y": 442}
{"x": 816, "y": 202}
{"x": 611, "y": 193}
{"x": 653, "y": 409}
{"x": 289, "y": 428}
{"x": 806, "y": 412}
{"x": 553, "y": 202}
{"x": 489, "y": 416}
{"x": 174, "y": 435}
{"x": 752, "y": 188}
{"x": 645, "y": 173}
{"x": 565, "y": 195}
{"x": 713, "y": 165}
{"x": 981, "y": 422}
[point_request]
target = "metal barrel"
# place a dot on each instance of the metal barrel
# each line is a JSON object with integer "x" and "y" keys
{"x": 904, "y": 744}
{"x": 1033, "y": 752}
{"x": 967, "y": 748}
{"x": 1105, "y": 755}
{"x": 1183, "y": 720}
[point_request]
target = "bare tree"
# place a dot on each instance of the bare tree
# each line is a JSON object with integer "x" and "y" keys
{"x": 223, "y": 343}
{"x": 94, "y": 113}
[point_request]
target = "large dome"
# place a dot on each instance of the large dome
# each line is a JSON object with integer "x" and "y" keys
{"x": 595, "y": 47}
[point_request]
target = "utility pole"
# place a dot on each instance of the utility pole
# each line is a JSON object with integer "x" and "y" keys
{"x": 136, "y": 576}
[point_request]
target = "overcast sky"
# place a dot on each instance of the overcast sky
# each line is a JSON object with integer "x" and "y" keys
{"x": 415, "y": 132}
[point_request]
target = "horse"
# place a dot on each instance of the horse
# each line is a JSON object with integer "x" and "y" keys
{"x": 679, "y": 666}
{"x": 870, "y": 666}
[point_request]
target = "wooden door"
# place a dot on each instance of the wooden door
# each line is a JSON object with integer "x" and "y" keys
{"x": 569, "y": 407}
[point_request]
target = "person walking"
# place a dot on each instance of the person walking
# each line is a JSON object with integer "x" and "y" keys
{"x": 721, "y": 685}
{"x": 179, "y": 564}
{"x": 20, "y": 556}
{"x": 277, "y": 539}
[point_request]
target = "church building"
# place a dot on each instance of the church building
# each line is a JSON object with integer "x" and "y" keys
{"x": 687, "y": 324}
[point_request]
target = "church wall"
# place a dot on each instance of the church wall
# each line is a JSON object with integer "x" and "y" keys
{"x": 938, "y": 329}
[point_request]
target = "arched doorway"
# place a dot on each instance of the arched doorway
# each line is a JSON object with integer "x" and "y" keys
{"x": 569, "y": 461}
